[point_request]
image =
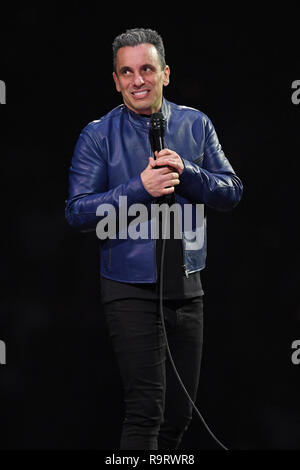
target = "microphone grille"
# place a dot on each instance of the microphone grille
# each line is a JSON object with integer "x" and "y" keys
{"x": 157, "y": 121}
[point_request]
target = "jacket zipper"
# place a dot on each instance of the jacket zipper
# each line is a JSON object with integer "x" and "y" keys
{"x": 183, "y": 256}
{"x": 185, "y": 271}
{"x": 182, "y": 246}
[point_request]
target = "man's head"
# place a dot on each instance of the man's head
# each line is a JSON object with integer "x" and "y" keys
{"x": 140, "y": 71}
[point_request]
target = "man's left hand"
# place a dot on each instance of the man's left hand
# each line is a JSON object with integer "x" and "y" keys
{"x": 169, "y": 158}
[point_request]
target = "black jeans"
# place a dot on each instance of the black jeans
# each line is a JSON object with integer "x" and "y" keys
{"x": 157, "y": 412}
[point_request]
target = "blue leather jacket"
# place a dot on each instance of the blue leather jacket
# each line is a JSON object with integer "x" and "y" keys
{"x": 108, "y": 159}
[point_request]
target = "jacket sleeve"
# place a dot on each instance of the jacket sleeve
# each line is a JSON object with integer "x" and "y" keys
{"x": 88, "y": 187}
{"x": 215, "y": 182}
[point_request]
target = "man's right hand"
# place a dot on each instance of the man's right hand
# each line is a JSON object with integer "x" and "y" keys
{"x": 159, "y": 181}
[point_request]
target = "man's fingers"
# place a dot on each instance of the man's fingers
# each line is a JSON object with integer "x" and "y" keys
{"x": 174, "y": 182}
{"x": 166, "y": 171}
{"x": 152, "y": 162}
{"x": 159, "y": 180}
{"x": 169, "y": 190}
{"x": 172, "y": 176}
{"x": 166, "y": 161}
{"x": 162, "y": 153}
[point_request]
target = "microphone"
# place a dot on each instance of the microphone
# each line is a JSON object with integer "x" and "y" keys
{"x": 156, "y": 136}
{"x": 157, "y": 132}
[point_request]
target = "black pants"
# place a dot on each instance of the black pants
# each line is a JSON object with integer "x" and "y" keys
{"x": 157, "y": 412}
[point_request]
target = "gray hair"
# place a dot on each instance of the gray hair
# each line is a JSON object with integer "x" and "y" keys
{"x": 137, "y": 36}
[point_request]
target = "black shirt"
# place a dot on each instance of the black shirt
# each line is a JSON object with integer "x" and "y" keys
{"x": 175, "y": 283}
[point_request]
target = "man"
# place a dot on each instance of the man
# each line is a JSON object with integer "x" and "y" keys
{"x": 112, "y": 162}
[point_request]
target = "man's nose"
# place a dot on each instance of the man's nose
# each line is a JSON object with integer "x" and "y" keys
{"x": 138, "y": 80}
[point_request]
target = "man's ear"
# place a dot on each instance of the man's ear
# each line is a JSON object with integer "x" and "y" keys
{"x": 166, "y": 75}
{"x": 116, "y": 80}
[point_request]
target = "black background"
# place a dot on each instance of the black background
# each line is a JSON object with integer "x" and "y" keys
{"x": 60, "y": 388}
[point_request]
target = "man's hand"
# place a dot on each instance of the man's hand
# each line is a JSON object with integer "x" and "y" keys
{"x": 169, "y": 158}
{"x": 159, "y": 181}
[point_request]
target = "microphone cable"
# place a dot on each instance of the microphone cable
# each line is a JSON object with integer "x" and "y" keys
{"x": 167, "y": 344}
{"x": 156, "y": 136}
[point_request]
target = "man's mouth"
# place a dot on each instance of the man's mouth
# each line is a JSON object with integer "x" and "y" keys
{"x": 140, "y": 94}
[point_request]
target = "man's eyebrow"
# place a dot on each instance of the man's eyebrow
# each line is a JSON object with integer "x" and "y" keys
{"x": 124, "y": 69}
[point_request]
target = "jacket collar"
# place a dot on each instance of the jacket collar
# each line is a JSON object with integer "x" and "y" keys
{"x": 144, "y": 121}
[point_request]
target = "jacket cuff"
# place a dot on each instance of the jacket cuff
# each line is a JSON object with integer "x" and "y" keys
{"x": 189, "y": 169}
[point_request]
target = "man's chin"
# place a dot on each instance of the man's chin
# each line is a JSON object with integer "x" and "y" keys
{"x": 143, "y": 107}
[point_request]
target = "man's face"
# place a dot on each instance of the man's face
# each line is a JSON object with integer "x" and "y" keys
{"x": 140, "y": 79}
